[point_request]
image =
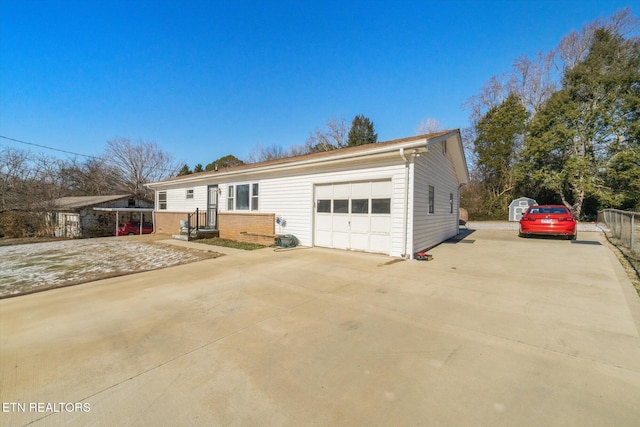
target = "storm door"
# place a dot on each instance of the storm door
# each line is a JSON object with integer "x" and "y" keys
{"x": 212, "y": 207}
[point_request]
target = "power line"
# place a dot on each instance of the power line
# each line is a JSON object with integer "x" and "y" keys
{"x": 165, "y": 170}
{"x": 49, "y": 148}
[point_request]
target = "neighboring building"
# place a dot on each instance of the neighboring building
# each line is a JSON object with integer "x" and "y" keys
{"x": 518, "y": 207}
{"x": 396, "y": 197}
{"x": 76, "y": 216}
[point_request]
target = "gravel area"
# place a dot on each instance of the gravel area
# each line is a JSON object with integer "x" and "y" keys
{"x": 34, "y": 267}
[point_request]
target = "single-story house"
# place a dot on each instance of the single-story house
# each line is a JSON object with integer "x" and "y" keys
{"x": 396, "y": 197}
{"x": 76, "y": 216}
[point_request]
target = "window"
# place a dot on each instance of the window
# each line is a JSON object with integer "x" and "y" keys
{"x": 323, "y": 206}
{"x": 162, "y": 200}
{"x": 243, "y": 197}
{"x": 380, "y": 206}
{"x": 231, "y": 198}
{"x": 450, "y": 202}
{"x": 341, "y": 206}
{"x": 359, "y": 206}
{"x": 432, "y": 196}
{"x": 254, "y": 197}
{"x": 189, "y": 193}
{"x": 444, "y": 147}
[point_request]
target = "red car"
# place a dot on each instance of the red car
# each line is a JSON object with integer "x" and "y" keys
{"x": 548, "y": 220}
{"x": 131, "y": 228}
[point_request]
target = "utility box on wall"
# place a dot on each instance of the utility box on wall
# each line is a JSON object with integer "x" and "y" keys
{"x": 518, "y": 207}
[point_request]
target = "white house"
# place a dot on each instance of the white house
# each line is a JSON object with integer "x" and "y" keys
{"x": 396, "y": 197}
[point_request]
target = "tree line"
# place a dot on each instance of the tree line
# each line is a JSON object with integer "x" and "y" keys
{"x": 335, "y": 135}
{"x": 561, "y": 128}
{"x": 29, "y": 183}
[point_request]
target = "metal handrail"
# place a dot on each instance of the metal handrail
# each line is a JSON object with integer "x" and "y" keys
{"x": 197, "y": 225}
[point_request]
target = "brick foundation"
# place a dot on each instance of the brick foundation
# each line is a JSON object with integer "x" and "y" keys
{"x": 247, "y": 227}
{"x": 169, "y": 222}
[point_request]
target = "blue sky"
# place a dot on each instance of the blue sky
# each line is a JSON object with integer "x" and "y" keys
{"x": 204, "y": 79}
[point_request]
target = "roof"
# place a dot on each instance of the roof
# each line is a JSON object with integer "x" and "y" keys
{"x": 84, "y": 201}
{"x": 348, "y": 153}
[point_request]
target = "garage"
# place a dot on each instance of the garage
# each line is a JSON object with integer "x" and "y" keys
{"x": 354, "y": 215}
{"x": 395, "y": 197}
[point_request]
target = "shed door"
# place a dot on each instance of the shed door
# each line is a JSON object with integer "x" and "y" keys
{"x": 354, "y": 215}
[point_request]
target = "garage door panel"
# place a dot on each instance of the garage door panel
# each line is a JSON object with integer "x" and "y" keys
{"x": 357, "y": 218}
{"x": 381, "y": 189}
{"x": 341, "y": 223}
{"x": 324, "y": 192}
{"x": 360, "y": 241}
{"x": 379, "y": 243}
{"x": 341, "y": 191}
{"x": 323, "y": 238}
{"x": 360, "y": 224}
{"x": 360, "y": 190}
{"x": 340, "y": 240}
{"x": 324, "y": 222}
{"x": 380, "y": 224}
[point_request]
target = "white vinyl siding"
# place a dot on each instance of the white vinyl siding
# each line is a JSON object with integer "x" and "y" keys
{"x": 289, "y": 195}
{"x": 429, "y": 229}
{"x": 292, "y": 198}
{"x": 177, "y": 202}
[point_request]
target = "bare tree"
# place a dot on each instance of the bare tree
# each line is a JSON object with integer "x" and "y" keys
{"x": 92, "y": 177}
{"x": 260, "y": 153}
{"x": 14, "y": 172}
{"x": 430, "y": 125}
{"x": 138, "y": 163}
{"x": 574, "y": 47}
{"x": 334, "y": 136}
{"x": 533, "y": 80}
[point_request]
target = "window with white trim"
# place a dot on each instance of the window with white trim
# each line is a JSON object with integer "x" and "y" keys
{"x": 162, "y": 200}
{"x": 255, "y": 190}
{"x": 189, "y": 194}
{"x": 450, "y": 202}
{"x": 243, "y": 197}
{"x": 231, "y": 197}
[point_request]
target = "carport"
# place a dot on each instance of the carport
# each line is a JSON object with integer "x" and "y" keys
{"x": 130, "y": 210}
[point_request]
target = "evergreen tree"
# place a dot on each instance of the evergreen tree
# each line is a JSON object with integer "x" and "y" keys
{"x": 499, "y": 136}
{"x": 224, "y": 162}
{"x": 590, "y": 127}
{"x": 361, "y": 132}
{"x": 184, "y": 170}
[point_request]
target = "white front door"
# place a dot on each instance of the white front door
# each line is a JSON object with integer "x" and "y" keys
{"x": 354, "y": 215}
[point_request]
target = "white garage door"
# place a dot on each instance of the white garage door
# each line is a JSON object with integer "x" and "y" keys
{"x": 354, "y": 215}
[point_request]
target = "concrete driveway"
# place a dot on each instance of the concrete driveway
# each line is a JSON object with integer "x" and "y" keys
{"x": 495, "y": 331}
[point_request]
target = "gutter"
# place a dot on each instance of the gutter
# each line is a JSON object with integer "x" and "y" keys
{"x": 295, "y": 164}
{"x": 406, "y": 204}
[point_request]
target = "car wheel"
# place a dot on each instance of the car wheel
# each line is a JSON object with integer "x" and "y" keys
{"x": 574, "y": 236}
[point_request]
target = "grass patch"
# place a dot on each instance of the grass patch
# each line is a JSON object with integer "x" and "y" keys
{"x": 216, "y": 241}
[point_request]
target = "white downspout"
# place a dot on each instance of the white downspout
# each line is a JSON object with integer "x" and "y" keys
{"x": 406, "y": 204}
